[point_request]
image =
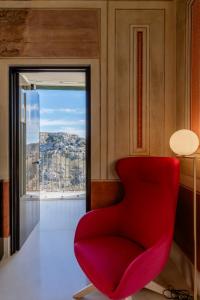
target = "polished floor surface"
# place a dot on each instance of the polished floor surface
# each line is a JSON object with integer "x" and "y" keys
{"x": 45, "y": 267}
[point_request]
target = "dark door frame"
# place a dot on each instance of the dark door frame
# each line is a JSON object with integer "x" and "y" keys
{"x": 14, "y": 140}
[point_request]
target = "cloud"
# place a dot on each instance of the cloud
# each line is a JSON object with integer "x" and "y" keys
{"x": 60, "y": 110}
{"x": 60, "y": 122}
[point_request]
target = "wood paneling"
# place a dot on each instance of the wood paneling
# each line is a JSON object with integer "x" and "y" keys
{"x": 50, "y": 33}
{"x": 141, "y": 102}
{"x": 1, "y": 209}
{"x": 105, "y": 193}
{"x": 1, "y": 220}
{"x": 188, "y": 116}
{"x": 181, "y": 70}
{"x": 139, "y": 90}
{"x": 188, "y": 78}
{"x": 6, "y": 210}
{"x": 195, "y": 68}
{"x": 155, "y": 20}
{"x": 184, "y": 223}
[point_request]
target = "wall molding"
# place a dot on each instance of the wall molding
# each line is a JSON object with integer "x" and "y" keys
{"x": 52, "y": 4}
{"x": 139, "y": 89}
{"x": 118, "y": 146}
{"x": 193, "y": 65}
{"x": 95, "y": 105}
{"x": 188, "y": 63}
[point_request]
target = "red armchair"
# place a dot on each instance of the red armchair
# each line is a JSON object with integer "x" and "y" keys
{"x": 122, "y": 248}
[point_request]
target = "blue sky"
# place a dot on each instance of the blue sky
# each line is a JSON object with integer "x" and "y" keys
{"x": 62, "y": 110}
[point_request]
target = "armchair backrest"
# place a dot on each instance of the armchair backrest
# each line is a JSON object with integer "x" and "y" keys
{"x": 149, "y": 205}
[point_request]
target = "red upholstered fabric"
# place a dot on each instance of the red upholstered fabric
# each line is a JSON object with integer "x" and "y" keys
{"x": 151, "y": 186}
{"x": 123, "y": 247}
{"x": 109, "y": 250}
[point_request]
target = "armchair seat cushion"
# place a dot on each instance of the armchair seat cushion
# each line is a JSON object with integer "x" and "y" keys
{"x": 104, "y": 259}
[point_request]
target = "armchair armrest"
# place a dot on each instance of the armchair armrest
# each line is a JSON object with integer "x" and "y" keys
{"x": 145, "y": 267}
{"x": 98, "y": 222}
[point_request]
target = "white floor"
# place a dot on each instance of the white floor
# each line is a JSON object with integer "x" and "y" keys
{"x": 46, "y": 269}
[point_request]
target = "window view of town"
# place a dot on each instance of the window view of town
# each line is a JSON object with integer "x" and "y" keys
{"x": 62, "y": 162}
{"x": 61, "y": 151}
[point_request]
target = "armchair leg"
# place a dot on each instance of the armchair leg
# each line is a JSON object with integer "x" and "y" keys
{"x": 85, "y": 291}
{"x": 152, "y": 286}
{"x": 155, "y": 287}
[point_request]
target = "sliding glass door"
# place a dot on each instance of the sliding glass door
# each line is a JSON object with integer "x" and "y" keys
{"x": 29, "y": 152}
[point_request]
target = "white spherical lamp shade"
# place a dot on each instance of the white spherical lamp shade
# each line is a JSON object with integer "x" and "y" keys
{"x": 184, "y": 142}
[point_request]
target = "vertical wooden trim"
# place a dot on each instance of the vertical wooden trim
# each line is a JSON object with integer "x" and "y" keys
{"x": 111, "y": 88}
{"x": 1, "y": 211}
{"x": 169, "y": 76}
{"x": 195, "y": 68}
{"x": 188, "y": 50}
{"x": 139, "y": 87}
{"x": 103, "y": 92}
{"x": 6, "y": 211}
{"x": 88, "y": 138}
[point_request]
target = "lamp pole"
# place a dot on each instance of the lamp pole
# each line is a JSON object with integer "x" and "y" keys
{"x": 195, "y": 225}
{"x": 194, "y": 158}
{"x": 185, "y": 143}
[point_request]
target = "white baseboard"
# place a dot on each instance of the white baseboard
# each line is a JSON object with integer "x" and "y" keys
{"x": 184, "y": 265}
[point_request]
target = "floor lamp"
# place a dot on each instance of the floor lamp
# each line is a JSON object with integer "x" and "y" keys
{"x": 185, "y": 143}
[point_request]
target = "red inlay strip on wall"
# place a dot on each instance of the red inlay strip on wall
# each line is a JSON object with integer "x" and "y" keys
{"x": 139, "y": 87}
{"x": 195, "y": 69}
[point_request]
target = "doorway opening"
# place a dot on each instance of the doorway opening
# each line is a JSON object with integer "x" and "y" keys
{"x": 49, "y": 147}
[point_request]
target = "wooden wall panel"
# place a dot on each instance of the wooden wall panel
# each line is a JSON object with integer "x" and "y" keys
{"x": 195, "y": 67}
{"x": 188, "y": 116}
{"x": 105, "y": 193}
{"x": 181, "y": 83}
{"x": 1, "y": 211}
{"x": 154, "y": 117}
{"x": 184, "y": 223}
{"x": 135, "y": 123}
{"x": 57, "y": 33}
{"x": 1, "y": 220}
{"x": 6, "y": 210}
{"x": 141, "y": 103}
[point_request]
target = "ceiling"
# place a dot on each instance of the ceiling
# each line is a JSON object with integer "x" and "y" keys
{"x": 62, "y": 79}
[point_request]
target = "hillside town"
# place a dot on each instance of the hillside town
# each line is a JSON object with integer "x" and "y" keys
{"x": 62, "y": 162}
